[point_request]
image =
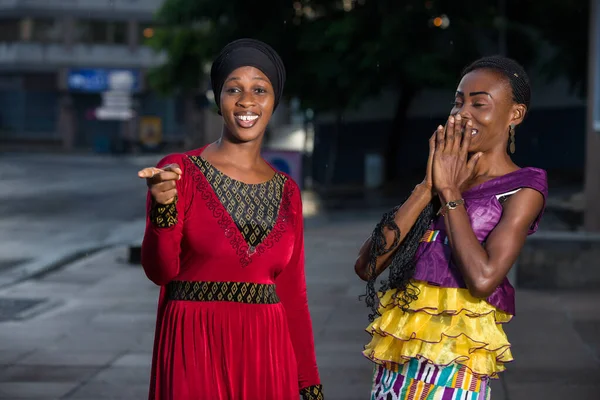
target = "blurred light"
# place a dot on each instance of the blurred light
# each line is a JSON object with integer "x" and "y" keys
{"x": 210, "y": 95}
{"x": 441, "y": 22}
{"x": 298, "y": 8}
{"x": 309, "y": 12}
{"x": 148, "y": 33}
{"x": 348, "y": 5}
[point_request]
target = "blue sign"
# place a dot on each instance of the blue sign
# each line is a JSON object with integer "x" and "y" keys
{"x": 96, "y": 80}
{"x": 288, "y": 162}
{"x": 281, "y": 165}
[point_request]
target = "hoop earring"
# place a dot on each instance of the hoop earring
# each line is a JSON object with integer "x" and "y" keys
{"x": 512, "y": 146}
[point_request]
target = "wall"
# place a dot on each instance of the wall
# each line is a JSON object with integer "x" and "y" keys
{"x": 550, "y": 138}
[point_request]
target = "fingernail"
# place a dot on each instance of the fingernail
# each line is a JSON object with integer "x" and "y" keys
{"x": 458, "y": 116}
{"x": 440, "y": 127}
{"x": 469, "y": 123}
{"x": 451, "y": 119}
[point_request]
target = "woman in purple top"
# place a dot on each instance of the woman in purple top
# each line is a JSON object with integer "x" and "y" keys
{"x": 449, "y": 247}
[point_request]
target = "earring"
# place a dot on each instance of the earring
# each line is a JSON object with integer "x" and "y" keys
{"x": 512, "y": 139}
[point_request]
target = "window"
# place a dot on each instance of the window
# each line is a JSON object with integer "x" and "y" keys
{"x": 10, "y": 30}
{"x": 101, "y": 32}
{"x": 47, "y": 30}
{"x": 118, "y": 32}
{"x": 91, "y": 32}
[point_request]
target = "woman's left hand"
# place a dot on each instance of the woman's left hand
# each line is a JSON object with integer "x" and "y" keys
{"x": 451, "y": 166}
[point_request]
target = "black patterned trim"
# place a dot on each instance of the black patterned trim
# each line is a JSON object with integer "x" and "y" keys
{"x": 239, "y": 292}
{"x": 314, "y": 392}
{"x": 227, "y": 224}
{"x": 164, "y": 215}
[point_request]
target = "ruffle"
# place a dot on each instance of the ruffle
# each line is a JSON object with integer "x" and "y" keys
{"x": 443, "y": 326}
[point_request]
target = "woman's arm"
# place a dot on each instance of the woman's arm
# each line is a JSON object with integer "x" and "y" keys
{"x": 291, "y": 289}
{"x": 484, "y": 268}
{"x": 161, "y": 245}
{"x": 405, "y": 218}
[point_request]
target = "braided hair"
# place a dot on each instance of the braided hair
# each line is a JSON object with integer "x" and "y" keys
{"x": 402, "y": 267}
{"x": 512, "y": 71}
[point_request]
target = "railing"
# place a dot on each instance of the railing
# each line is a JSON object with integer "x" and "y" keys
{"x": 53, "y": 55}
{"x": 143, "y": 6}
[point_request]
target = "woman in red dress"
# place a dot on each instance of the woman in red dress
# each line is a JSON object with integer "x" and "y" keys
{"x": 224, "y": 241}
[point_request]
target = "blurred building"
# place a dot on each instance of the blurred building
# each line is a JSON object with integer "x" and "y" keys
{"x": 58, "y": 57}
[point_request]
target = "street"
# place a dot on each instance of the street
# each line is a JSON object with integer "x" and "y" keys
{"x": 84, "y": 329}
{"x": 54, "y": 206}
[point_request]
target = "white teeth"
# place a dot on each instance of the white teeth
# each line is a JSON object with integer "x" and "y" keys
{"x": 474, "y": 132}
{"x": 247, "y": 117}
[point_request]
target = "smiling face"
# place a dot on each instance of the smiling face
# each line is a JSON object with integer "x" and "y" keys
{"x": 485, "y": 97}
{"x": 247, "y": 102}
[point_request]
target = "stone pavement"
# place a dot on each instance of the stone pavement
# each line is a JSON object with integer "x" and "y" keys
{"x": 91, "y": 337}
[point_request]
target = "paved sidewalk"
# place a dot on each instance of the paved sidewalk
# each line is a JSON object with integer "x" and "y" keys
{"x": 92, "y": 336}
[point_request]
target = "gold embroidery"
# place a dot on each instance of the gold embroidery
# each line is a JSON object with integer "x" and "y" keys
{"x": 314, "y": 392}
{"x": 164, "y": 216}
{"x": 239, "y": 292}
{"x": 253, "y": 208}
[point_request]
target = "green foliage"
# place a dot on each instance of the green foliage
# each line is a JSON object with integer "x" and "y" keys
{"x": 557, "y": 33}
{"x": 336, "y": 59}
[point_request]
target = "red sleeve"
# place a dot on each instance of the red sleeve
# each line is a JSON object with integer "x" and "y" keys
{"x": 164, "y": 229}
{"x": 291, "y": 289}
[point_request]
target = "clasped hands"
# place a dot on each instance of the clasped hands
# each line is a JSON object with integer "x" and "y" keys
{"x": 449, "y": 166}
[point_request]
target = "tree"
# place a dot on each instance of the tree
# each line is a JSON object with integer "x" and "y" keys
{"x": 316, "y": 40}
{"x": 561, "y": 53}
{"x": 404, "y": 47}
{"x": 338, "y": 53}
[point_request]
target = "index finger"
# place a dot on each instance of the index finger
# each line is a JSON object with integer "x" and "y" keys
{"x": 149, "y": 172}
{"x": 174, "y": 168}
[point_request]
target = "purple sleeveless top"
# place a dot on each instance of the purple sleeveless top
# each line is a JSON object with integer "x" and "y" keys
{"x": 433, "y": 258}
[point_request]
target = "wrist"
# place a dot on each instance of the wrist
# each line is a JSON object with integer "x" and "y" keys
{"x": 424, "y": 191}
{"x": 449, "y": 194}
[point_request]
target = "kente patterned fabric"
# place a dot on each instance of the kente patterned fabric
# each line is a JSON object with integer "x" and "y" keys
{"x": 434, "y": 236}
{"x": 240, "y": 292}
{"x": 444, "y": 325}
{"x": 418, "y": 379}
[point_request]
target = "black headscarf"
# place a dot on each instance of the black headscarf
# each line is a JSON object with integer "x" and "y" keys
{"x": 248, "y": 53}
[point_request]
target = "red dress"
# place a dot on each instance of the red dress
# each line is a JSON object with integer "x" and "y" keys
{"x": 233, "y": 320}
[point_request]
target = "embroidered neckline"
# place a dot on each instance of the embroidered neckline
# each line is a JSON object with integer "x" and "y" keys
{"x": 227, "y": 223}
{"x": 224, "y": 175}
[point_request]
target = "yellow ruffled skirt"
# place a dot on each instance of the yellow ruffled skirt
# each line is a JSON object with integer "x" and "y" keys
{"x": 444, "y": 326}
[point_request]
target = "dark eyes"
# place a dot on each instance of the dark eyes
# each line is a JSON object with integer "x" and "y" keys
{"x": 460, "y": 103}
{"x": 258, "y": 90}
